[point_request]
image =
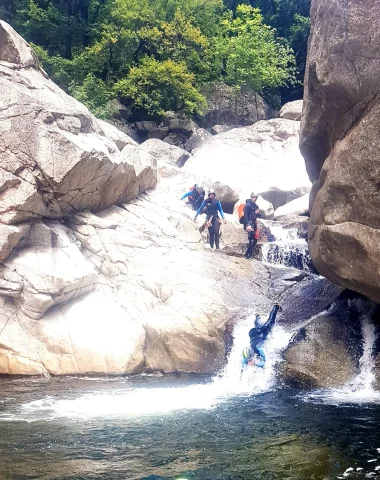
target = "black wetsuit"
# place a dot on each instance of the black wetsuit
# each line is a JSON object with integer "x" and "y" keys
{"x": 250, "y": 217}
{"x": 212, "y": 217}
{"x": 258, "y": 334}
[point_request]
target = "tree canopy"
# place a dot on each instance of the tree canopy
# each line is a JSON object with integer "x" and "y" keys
{"x": 155, "y": 55}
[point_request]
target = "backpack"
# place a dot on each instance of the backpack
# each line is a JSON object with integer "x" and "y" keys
{"x": 240, "y": 211}
{"x": 241, "y": 219}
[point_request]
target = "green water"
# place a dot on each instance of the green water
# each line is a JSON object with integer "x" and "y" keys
{"x": 147, "y": 428}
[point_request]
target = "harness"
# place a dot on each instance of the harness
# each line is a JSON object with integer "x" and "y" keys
{"x": 211, "y": 208}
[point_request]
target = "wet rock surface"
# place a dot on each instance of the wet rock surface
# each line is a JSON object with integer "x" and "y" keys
{"x": 325, "y": 352}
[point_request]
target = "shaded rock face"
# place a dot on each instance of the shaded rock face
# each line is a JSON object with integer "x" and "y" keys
{"x": 226, "y": 107}
{"x": 340, "y": 142}
{"x": 326, "y": 351}
{"x": 55, "y": 157}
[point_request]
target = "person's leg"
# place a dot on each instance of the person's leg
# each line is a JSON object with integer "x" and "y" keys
{"x": 248, "y": 253}
{"x": 216, "y": 224}
{"x": 211, "y": 235}
{"x": 273, "y": 314}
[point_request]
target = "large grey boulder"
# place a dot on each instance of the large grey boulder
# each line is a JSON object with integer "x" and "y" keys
{"x": 278, "y": 197}
{"x": 299, "y": 206}
{"x": 197, "y": 139}
{"x": 165, "y": 153}
{"x": 55, "y": 157}
{"x": 325, "y": 352}
{"x": 292, "y": 110}
{"x": 340, "y": 142}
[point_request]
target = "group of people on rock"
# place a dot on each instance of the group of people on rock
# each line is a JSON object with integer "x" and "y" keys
{"x": 212, "y": 207}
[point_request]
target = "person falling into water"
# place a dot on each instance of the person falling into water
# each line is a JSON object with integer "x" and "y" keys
{"x": 254, "y": 354}
{"x": 212, "y": 207}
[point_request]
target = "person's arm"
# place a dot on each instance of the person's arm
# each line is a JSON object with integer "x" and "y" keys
{"x": 243, "y": 365}
{"x": 247, "y": 213}
{"x": 188, "y": 194}
{"x": 257, "y": 210}
{"x": 220, "y": 209}
{"x": 199, "y": 211}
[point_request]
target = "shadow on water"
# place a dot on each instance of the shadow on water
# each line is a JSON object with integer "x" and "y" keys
{"x": 273, "y": 435}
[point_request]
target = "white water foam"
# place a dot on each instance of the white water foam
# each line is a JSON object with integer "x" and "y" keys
{"x": 127, "y": 401}
{"x": 287, "y": 249}
{"x": 254, "y": 379}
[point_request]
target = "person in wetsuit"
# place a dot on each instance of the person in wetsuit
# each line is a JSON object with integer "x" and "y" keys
{"x": 196, "y": 196}
{"x": 258, "y": 334}
{"x": 212, "y": 207}
{"x": 251, "y": 213}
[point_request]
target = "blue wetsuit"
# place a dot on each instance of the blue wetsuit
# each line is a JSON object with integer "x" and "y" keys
{"x": 259, "y": 333}
{"x": 196, "y": 198}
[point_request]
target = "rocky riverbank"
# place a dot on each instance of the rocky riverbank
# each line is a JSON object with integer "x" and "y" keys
{"x": 103, "y": 269}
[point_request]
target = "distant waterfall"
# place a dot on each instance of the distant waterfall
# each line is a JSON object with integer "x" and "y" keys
{"x": 361, "y": 388}
{"x": 288, "y": 249}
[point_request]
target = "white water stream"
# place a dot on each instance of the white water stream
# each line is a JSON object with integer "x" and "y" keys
{"x": 229, "y": 383}
{"x": 287, "y": 250}
{"x": 361, "y": 388}
{"x": 143, "y": 401}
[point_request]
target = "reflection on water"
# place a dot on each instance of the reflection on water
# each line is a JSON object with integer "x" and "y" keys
{"x": 111, "y": 429}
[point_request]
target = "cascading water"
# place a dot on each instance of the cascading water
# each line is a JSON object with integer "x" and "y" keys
{"x": 253, "y": 379}
{"x": 138, "y": 401}
{"x": 288, "y": 249}
{"x": 361, "y": 388}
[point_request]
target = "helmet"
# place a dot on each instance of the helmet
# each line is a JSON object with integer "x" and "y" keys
{"x": 211, "y": 191}
{"x": 199, "y": 188}
{"x": 253, "y": 194}
{"x": 247, "y": 353}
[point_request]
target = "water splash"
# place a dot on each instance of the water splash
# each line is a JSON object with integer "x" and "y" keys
{"x": 131, "y": 401}
{"x": 253, "y": 379}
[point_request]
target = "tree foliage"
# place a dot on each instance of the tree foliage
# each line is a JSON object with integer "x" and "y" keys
{"x": 156, "y": 55}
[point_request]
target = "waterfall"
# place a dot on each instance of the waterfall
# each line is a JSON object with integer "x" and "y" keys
{"x": 253, "y": 379}
{"x": 364, "y": 382}
{"x": 288, "y": 249}
{"x": 361, "y": 388}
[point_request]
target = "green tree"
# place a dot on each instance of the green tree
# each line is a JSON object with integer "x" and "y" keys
{"x": 250, "y": 55}
{"x": 95, "y": 94}
{"x": 156, "y": 87}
